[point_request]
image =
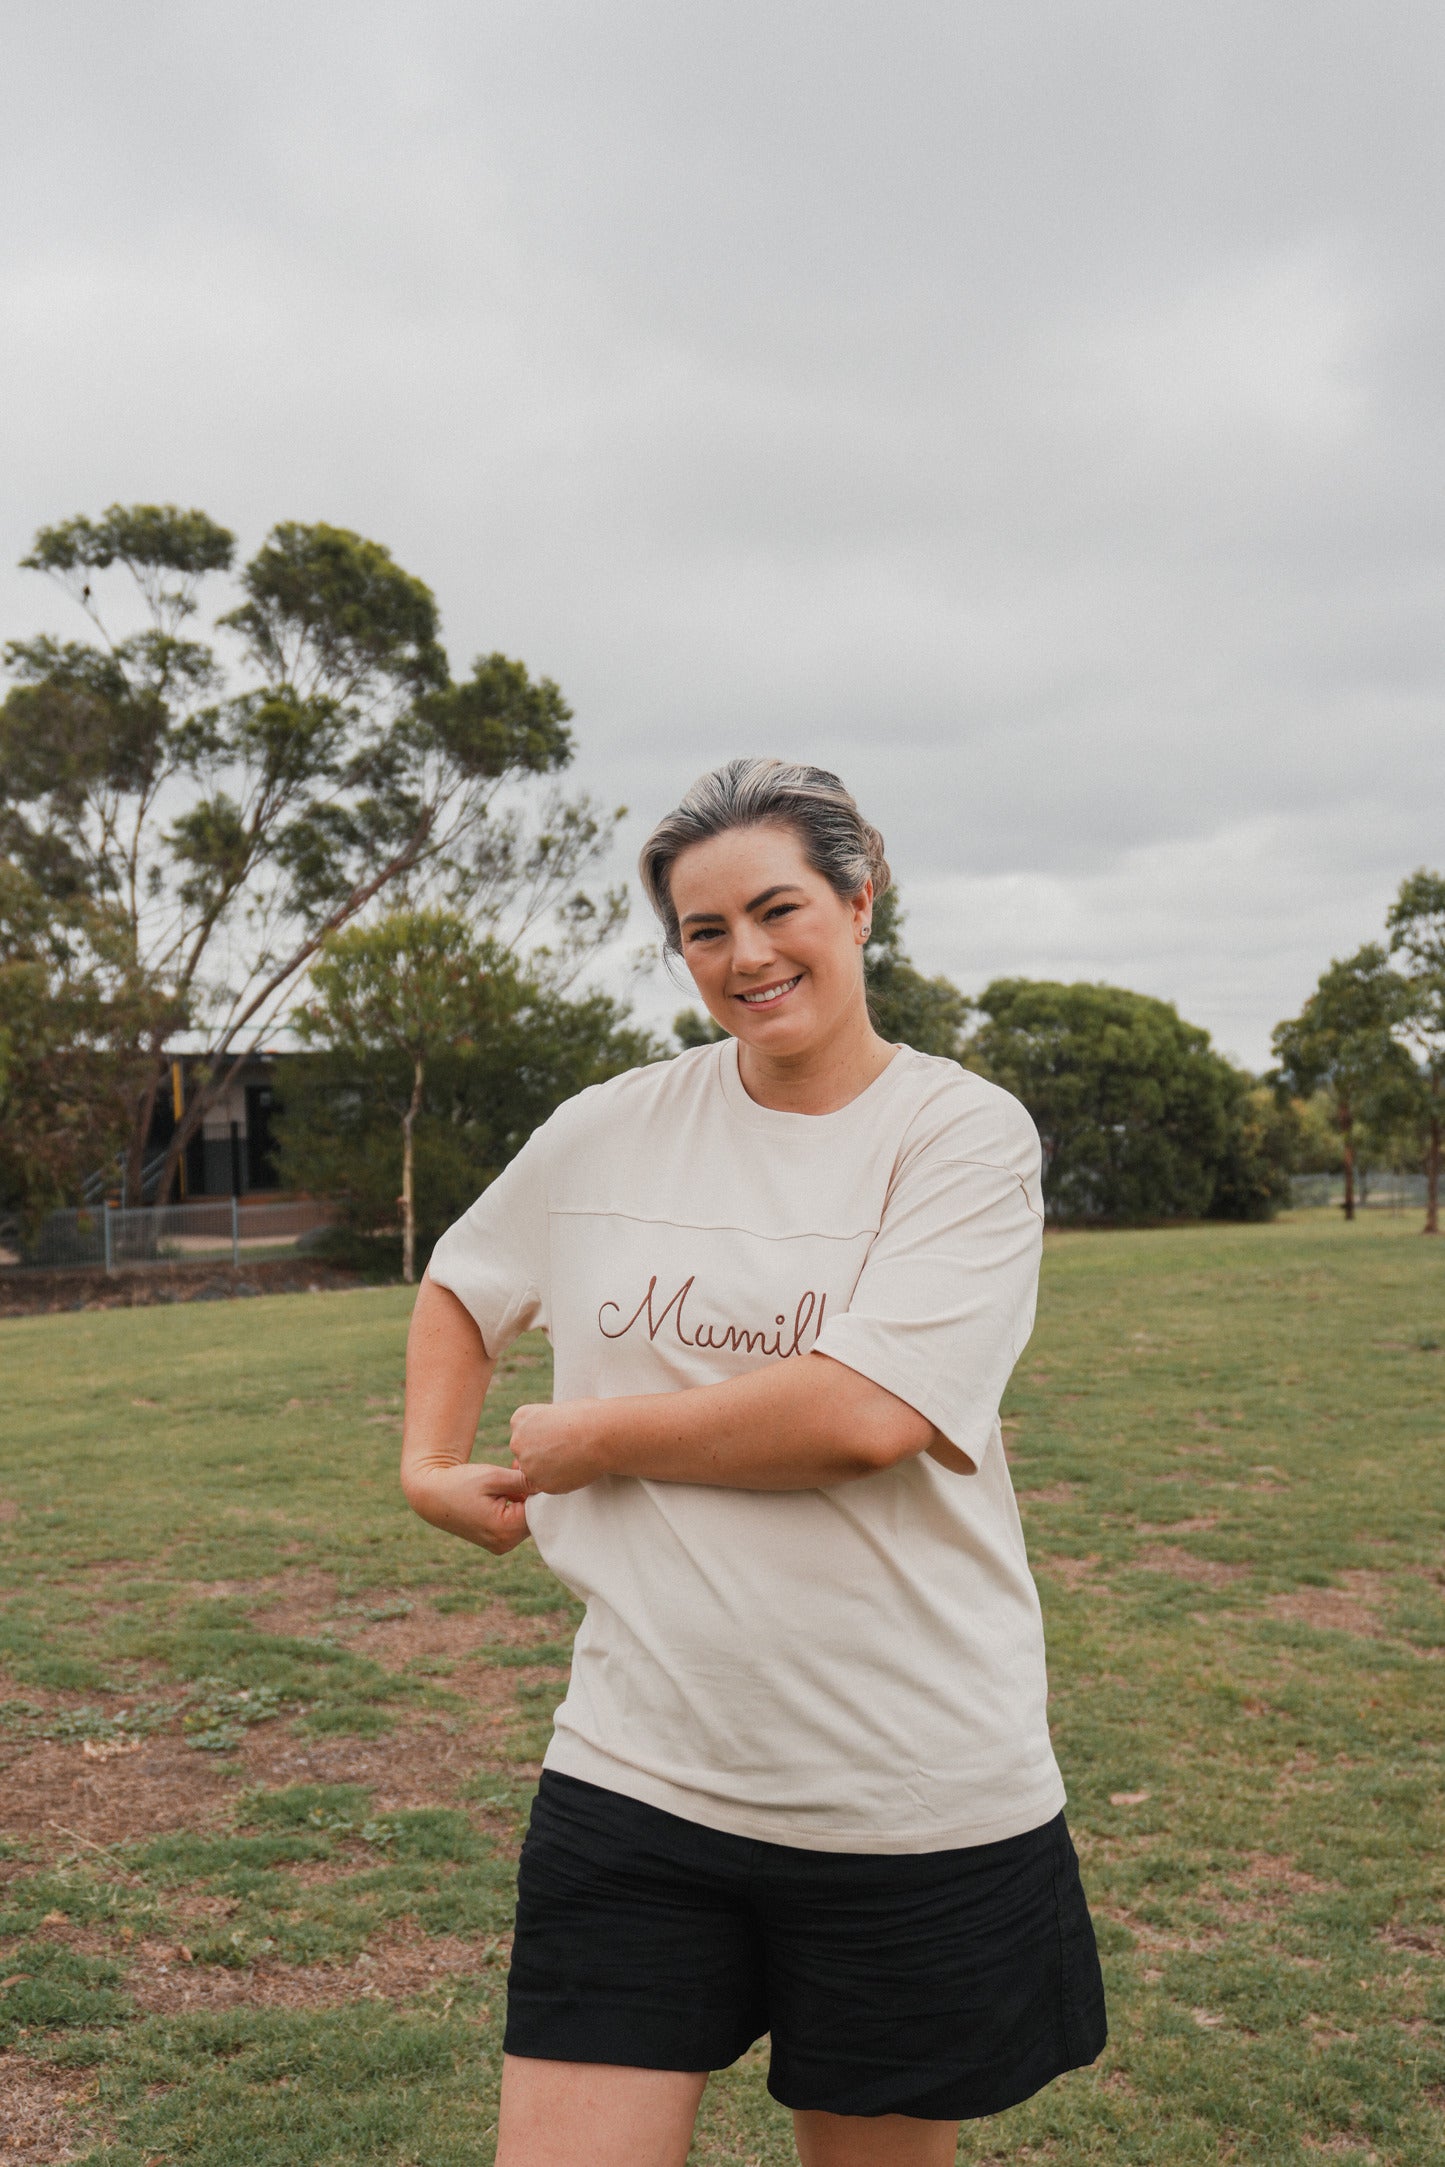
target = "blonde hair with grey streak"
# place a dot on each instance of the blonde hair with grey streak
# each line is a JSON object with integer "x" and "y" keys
{"x": 837, "y": 841}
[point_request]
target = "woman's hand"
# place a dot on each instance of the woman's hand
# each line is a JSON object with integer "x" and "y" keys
{"x": 483, "y": 1504}
{"x": 448, "y": 1371}
{"x": 561, "y": 1447}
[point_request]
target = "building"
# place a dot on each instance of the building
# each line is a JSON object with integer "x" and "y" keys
{"x": 235, "y": 1152}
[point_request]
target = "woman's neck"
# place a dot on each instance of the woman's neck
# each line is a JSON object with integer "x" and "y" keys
{"x": 819, "y": 1079}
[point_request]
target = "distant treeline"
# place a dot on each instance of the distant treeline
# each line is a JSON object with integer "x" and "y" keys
{"x": 310, "y": 827}
{"x": 1141, "y": 1119}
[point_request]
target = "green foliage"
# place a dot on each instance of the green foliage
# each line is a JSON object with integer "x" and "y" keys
{"x": 513, "y": 1049}
{"x": 410, "y": 983}
{"x": 167, "y": 552}
{"x": 1416, "y": 923}
{"x": 1343, "y": 1044}
{"x": 327, "y": 611}
{"x": 691, "y": 1028}
{"x": 71, "y": 1011}
{"x": 929, "y": 1014}
{"x": 500, "y": 722}
{"x": 1259, "y": 1152}
{"x": 221, "y": 823}
{"x": 1139, "y": 1118}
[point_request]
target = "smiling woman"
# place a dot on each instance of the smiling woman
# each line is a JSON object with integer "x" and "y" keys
{"x": 801, "y": 1782}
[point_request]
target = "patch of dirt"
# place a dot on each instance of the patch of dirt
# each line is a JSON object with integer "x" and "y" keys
{"x": 54, "y": 1791}
{"x": 44, "y": 1293}
{"x": 59, "y": 1798}
{"x": 206, "y": 1910}
{"x": 9, "y": 1510}
{"x": 395, "y": 1967}
{"x": 1049, "y": 1493}
{"x": 1154, "y": 1940}
{"x": 1352, "y": 1606}
{"x": 305, "y": 1604}
{"x": 421, "y": 1763}
{"x": 1419, "y": 1940}
{"x": 1260, "y": 1888}
{"x": 460, "y": 1636}
{"x": 1118, "y": 2082}
{"x": 1267, "y": 1870}
{"x": 1206, "y": 1572}
{"x": 1324, "y": 2033}
{"x": 1071, "y": 1573}
{"x": 39, "y": 2111}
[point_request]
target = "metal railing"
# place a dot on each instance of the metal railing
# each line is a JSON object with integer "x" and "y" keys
{"x": 223, "y": 1230}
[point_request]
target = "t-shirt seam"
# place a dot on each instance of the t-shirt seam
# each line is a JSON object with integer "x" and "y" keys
{"x": 994, "y": 1167}
{"x": 699, "y": 1226}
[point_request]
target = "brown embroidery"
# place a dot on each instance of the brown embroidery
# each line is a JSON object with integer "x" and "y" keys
{"x": 728, "y": 1338}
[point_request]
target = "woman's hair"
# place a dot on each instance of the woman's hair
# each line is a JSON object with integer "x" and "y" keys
{"x": 837, "y": 841}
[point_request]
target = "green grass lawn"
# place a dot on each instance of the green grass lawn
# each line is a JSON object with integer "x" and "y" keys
{"x": 266, "y": 1742}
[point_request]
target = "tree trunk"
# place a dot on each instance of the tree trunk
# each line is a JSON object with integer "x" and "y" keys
{"x": 408, "y": 1183}
{"x": 140, "y": 1130}
{"x": 1347, "y": 1133}
{"x": 1432, "y": 1173}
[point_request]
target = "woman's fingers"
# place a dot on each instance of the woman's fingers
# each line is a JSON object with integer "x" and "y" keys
{"x": 507, "y": 1482}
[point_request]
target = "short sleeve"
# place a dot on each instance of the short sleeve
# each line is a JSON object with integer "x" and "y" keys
{"x": 944, "y": 1304}
{"x": 494, "y": 1258}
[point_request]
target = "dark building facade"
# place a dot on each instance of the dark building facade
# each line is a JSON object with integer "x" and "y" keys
{"x": 234, "y": 1154}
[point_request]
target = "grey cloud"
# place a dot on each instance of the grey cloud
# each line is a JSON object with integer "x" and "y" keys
{"x": 1034, "y": 412}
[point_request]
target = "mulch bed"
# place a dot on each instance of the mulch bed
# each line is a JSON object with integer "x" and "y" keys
{"x": 43, "y": 1293}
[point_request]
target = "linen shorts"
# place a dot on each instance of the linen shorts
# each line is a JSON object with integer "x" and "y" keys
{"x": 941, "y": 1984}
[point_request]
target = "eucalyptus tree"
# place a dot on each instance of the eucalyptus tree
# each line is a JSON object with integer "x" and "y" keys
{"x": 1416, "y": 924}
{"x": 1139, "y": 1117}
{"x": 1343, "y": 1043}
{"x": 72, "y": 1018}
{"x": 229, "y": 807}
{"x": 414, "y": 984}
{"x": 423, "y": 1035}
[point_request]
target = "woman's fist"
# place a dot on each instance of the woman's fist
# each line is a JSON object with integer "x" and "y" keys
{"x": 483, "y": 1504}
{"x": 560, "y": 1448}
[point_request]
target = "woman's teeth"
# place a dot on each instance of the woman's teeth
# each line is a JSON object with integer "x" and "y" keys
{"x": 769, "y": 993}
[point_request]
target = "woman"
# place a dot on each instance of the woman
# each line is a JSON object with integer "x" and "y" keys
{"x": 801, "y": 1782}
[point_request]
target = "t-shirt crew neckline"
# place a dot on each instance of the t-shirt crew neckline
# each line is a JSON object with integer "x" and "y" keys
{"x": 777, "y": 1118}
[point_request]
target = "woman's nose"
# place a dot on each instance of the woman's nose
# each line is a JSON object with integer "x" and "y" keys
{"x": 752, "y": 947}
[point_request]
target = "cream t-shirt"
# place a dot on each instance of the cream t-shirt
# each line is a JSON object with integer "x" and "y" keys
{"x": 856, "y": 1668}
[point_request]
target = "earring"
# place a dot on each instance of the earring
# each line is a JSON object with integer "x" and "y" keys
{"x": 867, "y": 932}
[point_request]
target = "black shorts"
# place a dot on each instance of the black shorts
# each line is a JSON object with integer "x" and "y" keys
{"x": 943, "y": 1984}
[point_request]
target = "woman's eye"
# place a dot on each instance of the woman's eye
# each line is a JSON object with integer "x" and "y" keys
{"x": 780, "y": 910}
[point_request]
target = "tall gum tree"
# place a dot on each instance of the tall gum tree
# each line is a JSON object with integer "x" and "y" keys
{"x": 1416, "y": 926}
{"x": 1343, "y": 1043}
{"x": 416, "y": 983}
{"x": 230, "y": 820}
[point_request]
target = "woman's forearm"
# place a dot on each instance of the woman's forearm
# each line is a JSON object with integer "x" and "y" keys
{"x": 801, "y": 1424}
{"x": 448, "y": 1371}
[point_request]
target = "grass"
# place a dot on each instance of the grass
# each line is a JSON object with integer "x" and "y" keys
{"x": 268, "y": 1741}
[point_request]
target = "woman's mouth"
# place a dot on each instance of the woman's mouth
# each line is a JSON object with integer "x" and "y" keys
{"x": 768, "y": 996}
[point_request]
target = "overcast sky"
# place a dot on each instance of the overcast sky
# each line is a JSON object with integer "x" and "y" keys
{"x": 1032, "y": 411}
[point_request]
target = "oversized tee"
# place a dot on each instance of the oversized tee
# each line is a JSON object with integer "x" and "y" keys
{"x": 858, "y": 1667}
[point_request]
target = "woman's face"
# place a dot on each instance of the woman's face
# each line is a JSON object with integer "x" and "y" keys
{"x": 772, "y": 948}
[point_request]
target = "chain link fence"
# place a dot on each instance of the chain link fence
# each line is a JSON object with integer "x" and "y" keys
{"x": 223, "y": 1231}
{"x": 1373, "y": 1191}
